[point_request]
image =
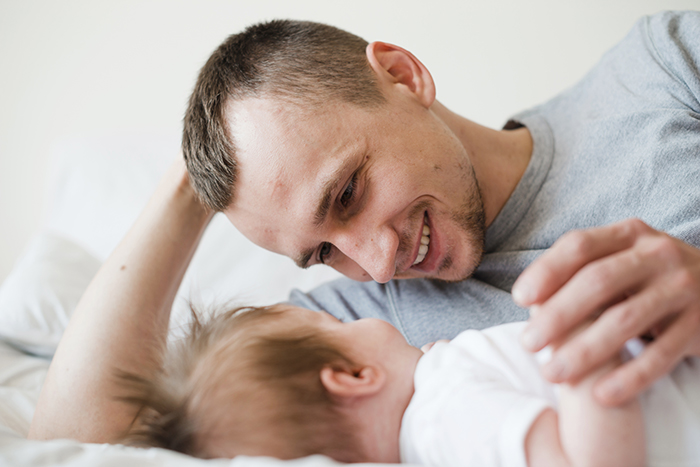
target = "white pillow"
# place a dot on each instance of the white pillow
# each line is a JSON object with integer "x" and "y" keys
{"x": 98, "y": 184}
{"x": 40, "y": 294}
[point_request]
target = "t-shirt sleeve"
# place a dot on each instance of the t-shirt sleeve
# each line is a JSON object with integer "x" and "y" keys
{"x": 672, "y": 38}
{"x": 474, "y": 404}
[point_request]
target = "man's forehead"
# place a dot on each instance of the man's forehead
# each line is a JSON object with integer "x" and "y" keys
{"x": 285, "y": 160}
{"x": 279, "y": 135}
{"x": 259, "y": 129}
{"x": 279, "y": 115}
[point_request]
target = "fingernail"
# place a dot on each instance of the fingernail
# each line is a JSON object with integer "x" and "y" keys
{"x": 522, "y": 293}
{"x": 534, "y": 310}
{"x": 531, "y": 339}
{"x": 556, "y": 370}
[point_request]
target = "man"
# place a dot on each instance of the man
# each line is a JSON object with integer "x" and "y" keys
{"x": 356, "y": 165}
{"x": 329, "y": 150}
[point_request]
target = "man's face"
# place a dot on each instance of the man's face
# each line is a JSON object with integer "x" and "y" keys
{"x": 358, "y": 189}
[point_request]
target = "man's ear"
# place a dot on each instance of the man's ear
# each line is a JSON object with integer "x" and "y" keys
{"x": 394, "y": 65}
{"x": 346, "y": 383}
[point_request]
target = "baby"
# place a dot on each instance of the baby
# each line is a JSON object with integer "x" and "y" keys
{"x": 288, "y": 382}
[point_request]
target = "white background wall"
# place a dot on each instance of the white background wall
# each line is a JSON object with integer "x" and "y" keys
{"x": 75, "y": 67}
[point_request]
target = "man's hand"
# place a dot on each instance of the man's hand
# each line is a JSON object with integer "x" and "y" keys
{"x": 639, "y": 280}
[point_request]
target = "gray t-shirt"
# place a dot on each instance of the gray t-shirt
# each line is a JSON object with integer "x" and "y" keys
{"x": 624, "y": 142}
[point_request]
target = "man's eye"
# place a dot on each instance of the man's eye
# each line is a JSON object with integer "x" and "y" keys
{"x": 349, "y": 193}
{"x": 324, "y": 252}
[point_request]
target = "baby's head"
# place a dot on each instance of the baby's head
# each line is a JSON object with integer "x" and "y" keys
{"x": 279, "y": 381}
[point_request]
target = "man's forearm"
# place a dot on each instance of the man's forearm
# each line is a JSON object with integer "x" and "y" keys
{"x": 121, "y": 322}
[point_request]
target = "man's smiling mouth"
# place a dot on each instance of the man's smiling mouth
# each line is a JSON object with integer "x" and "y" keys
{"x": 424, "y": 243}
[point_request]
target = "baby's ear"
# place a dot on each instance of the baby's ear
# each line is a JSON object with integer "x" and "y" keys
{"x": 348, "y": 383}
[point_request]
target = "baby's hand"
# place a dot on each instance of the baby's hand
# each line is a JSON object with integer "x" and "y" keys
{"x": 430, "y": 345}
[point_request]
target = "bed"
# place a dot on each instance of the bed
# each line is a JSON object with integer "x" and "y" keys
{"x": 97, "y": 186}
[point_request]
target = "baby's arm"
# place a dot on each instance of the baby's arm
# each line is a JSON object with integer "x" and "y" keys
{"x": 584, "y": 433}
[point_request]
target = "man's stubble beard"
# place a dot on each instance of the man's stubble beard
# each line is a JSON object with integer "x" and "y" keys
{"x": 471, "y": 219}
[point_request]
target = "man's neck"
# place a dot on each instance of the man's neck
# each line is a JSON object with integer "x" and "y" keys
{"x": 499, "y": 157}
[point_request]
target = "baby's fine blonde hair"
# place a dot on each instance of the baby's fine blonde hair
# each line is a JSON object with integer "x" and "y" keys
{"x": 244, "y": 382}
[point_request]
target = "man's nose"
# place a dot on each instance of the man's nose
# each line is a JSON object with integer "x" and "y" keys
{"x": 373, "y": 250}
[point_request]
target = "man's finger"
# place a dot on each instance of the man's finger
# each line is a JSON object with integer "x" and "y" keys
{"x": 657, "y": 359}
{"x": 568, "y": 255}
{"x": 608, "y": 334}
{"x": 592, "y": 289}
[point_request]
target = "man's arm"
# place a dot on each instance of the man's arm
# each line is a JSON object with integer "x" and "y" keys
{"x": 121, "y": 322}
{"x": 641, "y": 279}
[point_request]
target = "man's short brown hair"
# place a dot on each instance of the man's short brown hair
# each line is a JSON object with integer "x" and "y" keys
{"x": 301, "y": 62}
{"x": 245, "y": 382}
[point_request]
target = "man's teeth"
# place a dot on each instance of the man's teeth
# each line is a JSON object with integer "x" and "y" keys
{"x": 424, "y": 242}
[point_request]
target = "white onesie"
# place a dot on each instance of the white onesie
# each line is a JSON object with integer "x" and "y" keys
{"x": 477, "y": 396}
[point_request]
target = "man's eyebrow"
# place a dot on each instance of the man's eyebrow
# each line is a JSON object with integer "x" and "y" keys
{"x": 329, "y": 186}
{"x": 303, "y": 259}
{"x": 323, "y": 206}
{"x": 321, "y": 212}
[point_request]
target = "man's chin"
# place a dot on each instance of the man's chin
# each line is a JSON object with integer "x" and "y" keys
{"x": 448, "y": 278}
{"x": 447, "y": 272}
{"x": 454, "y": 276}
{"x": 450, "y": 271}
